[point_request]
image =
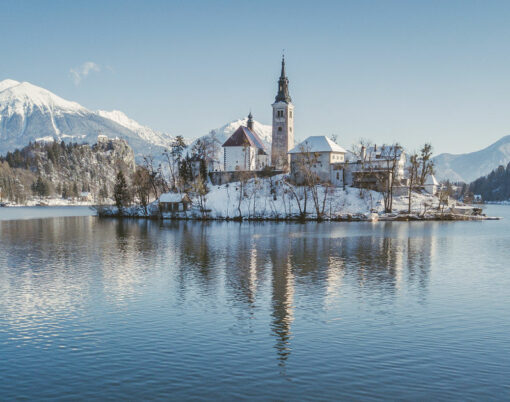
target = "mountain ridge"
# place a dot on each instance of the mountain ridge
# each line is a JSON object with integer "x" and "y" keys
{"x": 470, "y": 166}
{"x": 29, "y": 113}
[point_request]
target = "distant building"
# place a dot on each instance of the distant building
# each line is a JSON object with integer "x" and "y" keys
{"x": 375, "y": 166}
{"x": 319, "y": 154}
{"x": 174, "y": 202}
{"x": 431, "y": 185}
{"x": 244, "y": 150}
{"x": 283, "y": 123}
{"x": 85, "y": 196}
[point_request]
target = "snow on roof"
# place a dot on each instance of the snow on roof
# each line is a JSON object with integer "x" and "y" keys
{"x": 317, "y": 143}
{"x": 431, "y": 181}
{"x": 171, "y": 197}
{"x": 244, "y": 136}
{"x": 383, "y": 152}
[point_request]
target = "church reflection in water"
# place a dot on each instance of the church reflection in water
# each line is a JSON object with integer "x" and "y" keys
{"x": 251, "y": 269}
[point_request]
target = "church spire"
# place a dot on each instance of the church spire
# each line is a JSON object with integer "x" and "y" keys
{"x": 283, "y": 86}
{"x": 250, "y": 121}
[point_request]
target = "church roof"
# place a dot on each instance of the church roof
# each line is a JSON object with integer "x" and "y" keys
{"x": 243, "y": 136}
{"x": 431, "y": 181}
{"x": 283, "y": 87}
{"x": 317, "y": 143}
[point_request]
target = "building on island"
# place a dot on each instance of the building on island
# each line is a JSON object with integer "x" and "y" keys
{"x": 283, "y": 124}
{"x": 318, "y": 155}
{"x": 244, "y": 150}
{"x": 375, "y": 166}
{"x": 431, "y": 185}
{"x": 174, "y": 202}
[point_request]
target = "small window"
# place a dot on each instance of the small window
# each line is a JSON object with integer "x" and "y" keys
{"x": 279, "y": 129}
{"x": 290, "y": 128}
{"x": 290, "y": 114}
{"x": 338, "y": 175}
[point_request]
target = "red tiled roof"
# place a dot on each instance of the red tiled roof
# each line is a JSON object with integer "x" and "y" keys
{"x": 243, "y": 136}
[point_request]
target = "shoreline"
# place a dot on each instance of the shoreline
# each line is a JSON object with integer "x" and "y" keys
{"x": 109, "y": 212}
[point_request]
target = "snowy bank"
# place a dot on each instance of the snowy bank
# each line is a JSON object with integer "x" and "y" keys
{"x": 275, "y": 199}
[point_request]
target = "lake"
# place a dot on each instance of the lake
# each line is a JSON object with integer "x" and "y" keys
{"x": 134, "y": 309}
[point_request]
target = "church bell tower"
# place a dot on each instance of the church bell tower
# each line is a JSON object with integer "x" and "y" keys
{"x": 283, "y": 124}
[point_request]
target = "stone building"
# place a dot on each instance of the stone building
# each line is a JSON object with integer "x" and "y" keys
{"x": 283, "y": 124}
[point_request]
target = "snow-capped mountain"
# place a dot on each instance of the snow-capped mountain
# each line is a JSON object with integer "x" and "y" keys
{"x": 31, "y": 113}
{"x": 222, "y": 133}
{"x": 470, "y": 166}
{"x": 263, "y": 131}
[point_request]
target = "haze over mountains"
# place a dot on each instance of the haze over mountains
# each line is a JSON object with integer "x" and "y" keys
{"x": 470, "y": 166}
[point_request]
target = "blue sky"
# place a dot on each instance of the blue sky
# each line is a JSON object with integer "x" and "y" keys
{"x": 406, "y": 71}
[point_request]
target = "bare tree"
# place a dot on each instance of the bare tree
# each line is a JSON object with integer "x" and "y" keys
{"x": 173, "y": 157}
{"x": 156, "y": 179}
{"x": 207, "y": 148}
{"x": 413, "y": 176}
{"x": 362, "y": 151}
{"x": 305, "y": 173}
{"x": 391, "y": 155}
{"x": 426, "y": 164}
{"x": 295, "y": 192}
{"x": 142, "y": 186}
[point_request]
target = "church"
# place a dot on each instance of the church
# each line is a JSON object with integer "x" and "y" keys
{"x": 244, "y": 150}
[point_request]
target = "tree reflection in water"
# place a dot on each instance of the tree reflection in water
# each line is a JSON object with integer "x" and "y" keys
{"x": 249, "y": 268}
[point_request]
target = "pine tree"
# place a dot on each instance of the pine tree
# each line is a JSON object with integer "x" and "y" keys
{"x": 75, "y": 190}
{"x": 121, "y": 192}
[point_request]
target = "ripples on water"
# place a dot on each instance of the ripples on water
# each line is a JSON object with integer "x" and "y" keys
{"x": 135, "y": 310}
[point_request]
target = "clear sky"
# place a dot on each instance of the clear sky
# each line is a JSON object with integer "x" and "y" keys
{"x": 407, "y": 71}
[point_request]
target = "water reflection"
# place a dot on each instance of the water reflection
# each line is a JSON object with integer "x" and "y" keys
{"x": 54, "y": 270}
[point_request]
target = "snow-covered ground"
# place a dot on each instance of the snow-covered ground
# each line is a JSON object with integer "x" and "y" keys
{"x": 273, "y": 198}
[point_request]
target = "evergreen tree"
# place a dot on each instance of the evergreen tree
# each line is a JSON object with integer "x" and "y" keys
{"x": 74, "y": 191}
{"x": 40, "y": 187}
{"x": 121, "y": 192}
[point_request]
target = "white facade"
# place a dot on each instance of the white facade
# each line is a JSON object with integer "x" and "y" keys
{"x": 243, "y": 158}
{"x": 320, "y": 155}
{"x": 431, "y": 185}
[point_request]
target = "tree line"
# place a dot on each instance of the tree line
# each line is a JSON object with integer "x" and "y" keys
{"x": 493, "y": 187}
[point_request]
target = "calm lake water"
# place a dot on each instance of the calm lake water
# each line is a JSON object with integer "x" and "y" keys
{"x": 103, "y": 309}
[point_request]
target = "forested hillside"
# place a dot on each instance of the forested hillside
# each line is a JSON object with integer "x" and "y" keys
{"x": 64, "y": 170}
{"x": 495, "y": 186}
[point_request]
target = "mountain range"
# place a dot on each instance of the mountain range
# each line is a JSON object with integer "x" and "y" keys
{"x": 470, "y": 166}
{"x": 29, "y": 113}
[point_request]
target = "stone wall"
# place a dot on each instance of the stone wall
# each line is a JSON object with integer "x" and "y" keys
{"x": 219, "y": 178}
